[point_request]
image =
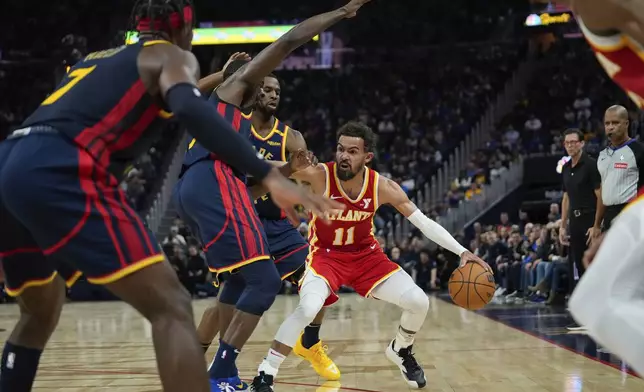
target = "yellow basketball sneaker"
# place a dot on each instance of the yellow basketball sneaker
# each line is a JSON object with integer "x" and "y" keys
{"x": 317, "y": 357}
{"x": 329, "y": 386}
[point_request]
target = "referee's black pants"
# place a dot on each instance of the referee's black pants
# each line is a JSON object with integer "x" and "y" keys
{"x": 611, "y": 213}
{"x": 580, "y": 222}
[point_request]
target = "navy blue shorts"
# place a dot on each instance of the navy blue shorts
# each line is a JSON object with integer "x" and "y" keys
{"x": 62, "y": 212}
{"x": 218, "y": 208}
{"x": 287, "y": 246}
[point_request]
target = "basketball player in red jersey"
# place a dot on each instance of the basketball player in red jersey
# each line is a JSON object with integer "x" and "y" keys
{"x": 346, "y": 252}
{"x": 60, "y": 198}
{"x": 608, "y": 298}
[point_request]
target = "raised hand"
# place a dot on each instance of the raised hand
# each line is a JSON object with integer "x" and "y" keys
{"x": 353, "y": 7}
{"x": 285, "y": 193}
{"x": 301, "y": 160}
{"x": 236, "y": 56}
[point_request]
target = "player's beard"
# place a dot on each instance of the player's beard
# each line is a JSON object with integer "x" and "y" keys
{"x": 345, "y": 175}
{"x": 266, "y": 110}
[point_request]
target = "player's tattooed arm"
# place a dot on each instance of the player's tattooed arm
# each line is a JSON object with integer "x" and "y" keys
{"x": 212, "y": 81}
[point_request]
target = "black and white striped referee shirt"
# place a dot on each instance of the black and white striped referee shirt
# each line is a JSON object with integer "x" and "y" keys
{"x": 621, "y": 172}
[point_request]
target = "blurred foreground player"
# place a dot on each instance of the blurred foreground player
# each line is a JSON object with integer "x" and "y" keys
{"x": 60, "y": 199}
{"x": 233, "y": 237}
{"x": 276, "y": 141}
{"x": 347, "y": 253}
{"x": 609, "y": 299}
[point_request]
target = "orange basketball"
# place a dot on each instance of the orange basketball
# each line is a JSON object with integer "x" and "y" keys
{"x": 471, "y": 287}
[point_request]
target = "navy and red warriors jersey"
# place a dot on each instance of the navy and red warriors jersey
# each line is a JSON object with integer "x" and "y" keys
{"x": 273, "y": 148}
{"x": 103, "y": 106}
{"x": 621, "y": 56}
{"x": 239, "y": 121}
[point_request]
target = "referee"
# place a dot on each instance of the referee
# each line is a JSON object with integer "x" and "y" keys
{"x": 581, "y": 203}
{"x": 620, "y": 164}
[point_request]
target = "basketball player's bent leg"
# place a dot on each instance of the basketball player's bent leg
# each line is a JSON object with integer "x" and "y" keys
{"x": 75, "y": 212}
{"x": 40, "y": 294}
{"x": 262, "y": 283}
{"x": 291, "y": 264}
{"x": 322, "y": 279}
{"x": 609, "y": 298}
{"x": 291, "y": 251}
{"x": 400, "y": 289}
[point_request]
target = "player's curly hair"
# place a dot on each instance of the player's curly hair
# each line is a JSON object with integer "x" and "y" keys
{"x": 158, "y": 13}
{"x": 361, "y": 130}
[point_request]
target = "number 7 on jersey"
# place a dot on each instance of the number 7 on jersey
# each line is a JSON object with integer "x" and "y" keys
{"x": 74, "y": 77}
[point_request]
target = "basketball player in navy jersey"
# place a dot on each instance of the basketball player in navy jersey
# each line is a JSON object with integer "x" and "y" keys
{"x": 60, "y": 200}
{"x": 233, "y": 237}
{"x": 276, "y": 141}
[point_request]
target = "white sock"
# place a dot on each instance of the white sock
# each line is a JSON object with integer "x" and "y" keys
{"x": 271, "y": 363}
{"x": 404, "y": 339}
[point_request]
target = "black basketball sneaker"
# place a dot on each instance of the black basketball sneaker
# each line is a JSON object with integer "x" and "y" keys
{"x": 262, "y": 383}
{"x": 409, "y": 367}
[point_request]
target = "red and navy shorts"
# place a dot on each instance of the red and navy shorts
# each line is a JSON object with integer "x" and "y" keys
{"x": 218, "y": 207}
{"x": 62, "y": 212}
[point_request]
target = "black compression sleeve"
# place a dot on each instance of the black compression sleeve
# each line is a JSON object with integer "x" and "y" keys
{"x": 213, "y": 131}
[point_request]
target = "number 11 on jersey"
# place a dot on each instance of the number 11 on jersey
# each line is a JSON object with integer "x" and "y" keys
{"x": 340, "y": 240}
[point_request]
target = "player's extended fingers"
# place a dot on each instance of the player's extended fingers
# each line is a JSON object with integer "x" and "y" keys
{"x": 312, "y": 158}
{"x": 321, "y": 206}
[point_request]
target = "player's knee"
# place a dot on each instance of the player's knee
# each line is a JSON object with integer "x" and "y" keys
{"x": 40, "y": 309}
{"x": 263, "y": 283}
{"x": 415, "y": 300}
{"x": 310, "y": 306}
{"x": 174, "y": 306}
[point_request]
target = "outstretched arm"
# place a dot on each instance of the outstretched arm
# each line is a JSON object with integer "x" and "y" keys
{"x": 268, "y": 59}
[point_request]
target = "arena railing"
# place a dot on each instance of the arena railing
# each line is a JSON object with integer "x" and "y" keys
{"x": 435, "y": 189}
{"x": 160, "y": 204}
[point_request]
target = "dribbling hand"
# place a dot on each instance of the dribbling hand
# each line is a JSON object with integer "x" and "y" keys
{"x": 353, "y": 7}
{"x": 285, "y": 193}
{"x": 469, "y": 257}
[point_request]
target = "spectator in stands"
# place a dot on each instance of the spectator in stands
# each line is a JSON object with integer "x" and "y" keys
{"x": 582, "y": 105}
{"x": 533, "y": 124}
{"x": 175, "y": 238}
{"x": 196, "y": 270}
{"x": 505, "y": 222}
{"x": 554, "y": 214}
{"x": 424, "y": 272}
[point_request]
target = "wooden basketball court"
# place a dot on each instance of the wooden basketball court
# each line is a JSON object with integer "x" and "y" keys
{"x": 107, "y": 346}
